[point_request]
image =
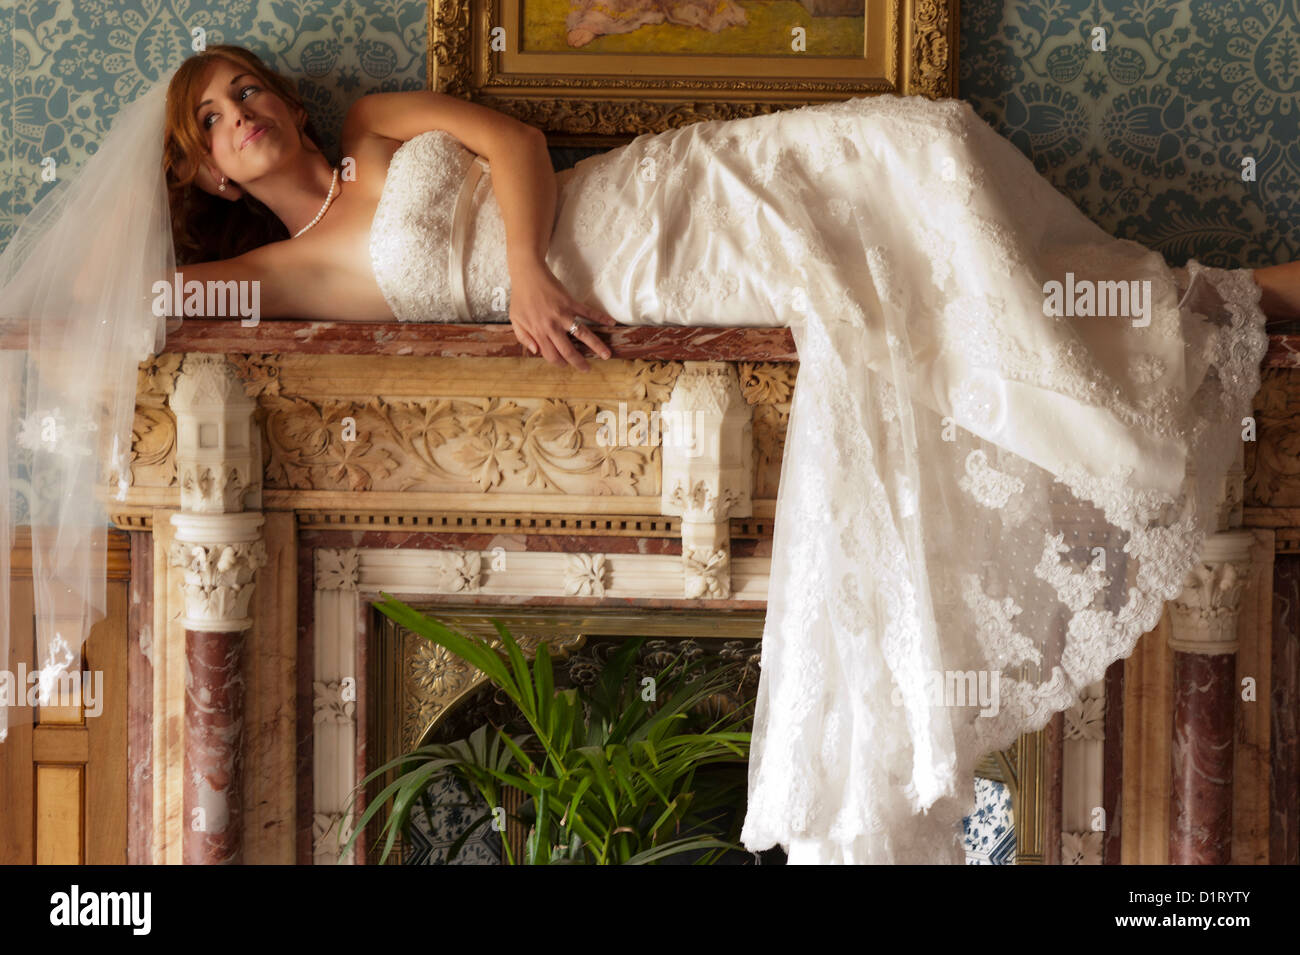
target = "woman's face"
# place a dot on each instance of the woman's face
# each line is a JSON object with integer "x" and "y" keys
{"x": 249, "y": 130}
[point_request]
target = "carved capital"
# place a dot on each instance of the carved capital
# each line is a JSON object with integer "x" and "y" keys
{"x": 220, "y": 556}
{"x": 1204, "y": 616}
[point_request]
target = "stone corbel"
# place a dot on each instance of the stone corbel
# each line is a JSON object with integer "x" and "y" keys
{"x": 708, "y": 471}
{"x": 217, "y": 449}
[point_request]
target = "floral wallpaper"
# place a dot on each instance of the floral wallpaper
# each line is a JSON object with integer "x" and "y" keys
{"x": 1146, "y": 134}
{"x": 1147, "y": 129}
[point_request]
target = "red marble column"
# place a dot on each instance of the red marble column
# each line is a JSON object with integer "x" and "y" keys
{"x": 1203, "y": 637}
{"x": 214, "y": 730}
{"x": 1200, "y": 827}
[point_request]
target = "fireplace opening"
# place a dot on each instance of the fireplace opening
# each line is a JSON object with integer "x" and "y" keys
{"x": 419, "y": 693}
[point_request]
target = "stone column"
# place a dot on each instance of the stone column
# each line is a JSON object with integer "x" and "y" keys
{"x": 219, "y": 548}
{"x": 1204, "y": 639}
{"x": 708, "y": 471}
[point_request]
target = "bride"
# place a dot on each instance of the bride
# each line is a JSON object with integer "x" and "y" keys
{"x": 1004, "y": 450}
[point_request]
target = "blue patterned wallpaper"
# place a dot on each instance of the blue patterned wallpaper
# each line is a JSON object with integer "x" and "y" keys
{"x": 1146, "y": 137}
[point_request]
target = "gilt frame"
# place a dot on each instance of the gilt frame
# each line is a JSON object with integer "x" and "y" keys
{"x": 920, "y": 57}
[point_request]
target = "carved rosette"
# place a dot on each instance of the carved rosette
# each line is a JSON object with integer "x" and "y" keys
{"x": 219, "y": 555}
{"x": 708, "y": 573}
{"x": 1081, "y": 848}
{"x": 337, "y": 569}
{"x": 584, "y": 575}
{"x": 334, "y": 701}
{"x": 1204, "y": 616}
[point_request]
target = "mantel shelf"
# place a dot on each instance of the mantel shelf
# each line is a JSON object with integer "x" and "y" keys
{"x": 648, "y": 342}
{"x": 651, "y": 342}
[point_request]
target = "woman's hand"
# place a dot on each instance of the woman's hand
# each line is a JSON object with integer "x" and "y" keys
{"x": 542, "y": 312}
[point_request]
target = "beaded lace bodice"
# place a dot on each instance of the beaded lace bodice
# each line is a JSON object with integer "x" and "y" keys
{"x": 436, "y": 215}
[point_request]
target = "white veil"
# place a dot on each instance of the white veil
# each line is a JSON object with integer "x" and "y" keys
{"x": 75, "y": 320}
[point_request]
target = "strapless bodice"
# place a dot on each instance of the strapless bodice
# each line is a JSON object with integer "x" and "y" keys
{"x": 437, "y": 241}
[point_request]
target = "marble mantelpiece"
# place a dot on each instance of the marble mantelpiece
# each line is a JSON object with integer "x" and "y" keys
{"x": 477, "y": 386}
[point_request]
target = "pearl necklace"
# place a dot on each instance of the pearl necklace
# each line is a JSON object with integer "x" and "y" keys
{"x": 328, "y": 199}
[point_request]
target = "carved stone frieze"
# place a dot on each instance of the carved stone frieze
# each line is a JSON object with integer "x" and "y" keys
{"x": 768, "y": 387}
{"x": 1272, "y": 461}
{"x": 307, "y": 439}
{"x": 466, "y": 445}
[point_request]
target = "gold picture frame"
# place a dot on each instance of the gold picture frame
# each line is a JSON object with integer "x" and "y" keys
{"x": 477, "y": 52}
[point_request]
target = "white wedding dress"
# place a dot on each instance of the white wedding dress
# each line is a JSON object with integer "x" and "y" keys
{"x": 974, "y": 493}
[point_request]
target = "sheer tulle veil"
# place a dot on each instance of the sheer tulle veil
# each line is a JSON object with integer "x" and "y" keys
{"x": 76, "y": 319}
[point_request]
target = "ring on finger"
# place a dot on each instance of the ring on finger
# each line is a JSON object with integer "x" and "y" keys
{"x": 573, "y": 329}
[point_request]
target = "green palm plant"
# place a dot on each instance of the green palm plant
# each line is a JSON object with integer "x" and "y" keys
{"x": 622, "y": 772}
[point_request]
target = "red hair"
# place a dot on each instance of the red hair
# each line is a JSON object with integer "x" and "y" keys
{"x": 205, "y": 227}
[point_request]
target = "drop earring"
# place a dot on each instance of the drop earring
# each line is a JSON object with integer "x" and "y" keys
{"x": 222, "y": 187}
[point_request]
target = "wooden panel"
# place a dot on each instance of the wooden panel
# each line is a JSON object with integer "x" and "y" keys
{"x": 106, "y": 769}
{"x": 60, "y": 744}
{"x": 69, "y": 768}
{"x": 59, "y": 814}
{"x": 1148, "y": 736}
{"x": 17, "y": 782}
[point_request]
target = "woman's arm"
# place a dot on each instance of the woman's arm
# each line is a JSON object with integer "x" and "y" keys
{"x": 541, "y": 310}
{"x": 1280, "y": 287}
